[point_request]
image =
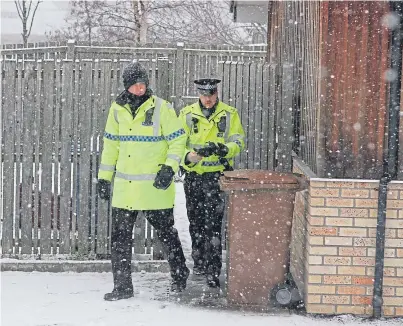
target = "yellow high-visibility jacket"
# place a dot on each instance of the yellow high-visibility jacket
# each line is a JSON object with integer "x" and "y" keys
{"x": 223, "y": 126}
{"x": 133, "y": 150}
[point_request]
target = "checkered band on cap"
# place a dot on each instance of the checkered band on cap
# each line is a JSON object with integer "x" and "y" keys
{"x": 207, "y": 87}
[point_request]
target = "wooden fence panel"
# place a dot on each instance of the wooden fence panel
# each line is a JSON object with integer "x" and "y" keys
{"x": 95, "y": 132}
{"x": 84, "y": 172}
{"x": 238, "y": 162}
{"x": 74, "y": 157}
{"x": 245, "y": 113}
{"x": 116, "y": 82}
{"x": 2, "y": 103}
{"x": 17, "y": 155}
{"x": 148, "y": 238}
{"x": 57, "y": 154}
{"x": 251, "y": 116}
{"x": 179, "y": 77}
{"x": 232, "y": 83}
{"x": 190, "y": 76}
{"x": 202, "y": 68}
{"x": 258, "y": 140}
{"x": 27, "y": 158}
{"x": 272, "y": 114}
{"x": 104, "y": 213}
{"x": 37, "y": 151}
{"x": 65, "y": 157}
{"x": 163, "y": 79}
{"x": 264, "y": 153}
{"x": 153, "y": 74}
{"x": 226, "y": 82}
{"x": 46, "y": 161}
{"x": 233, "y": 93}
{"x": 285, "y": 128}
{"x": 8, "y": 157}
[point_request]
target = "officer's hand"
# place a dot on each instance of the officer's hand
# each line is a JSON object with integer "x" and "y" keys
{"x": 222, "y": 150}
{"x": 193, "y": 157}
{"x": 164, "y": 177}
{"x": 206, "y": 151}
{"x": 104, "y": 189}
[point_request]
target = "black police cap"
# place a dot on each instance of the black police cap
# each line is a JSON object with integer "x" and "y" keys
{"x": 207, "y": 86}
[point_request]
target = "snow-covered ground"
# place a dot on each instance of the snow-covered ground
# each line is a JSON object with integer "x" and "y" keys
{"x": 68, "y": 299}
{"x": 181, "y": 220}
{"x": 73, "y": 299}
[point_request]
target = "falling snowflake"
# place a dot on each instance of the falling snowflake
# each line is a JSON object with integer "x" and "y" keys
{"x": 371, "y": 146}
{"x": 390, "y": 75}
{"x": 390, "y": 20}
{"x": 357, "y": 126}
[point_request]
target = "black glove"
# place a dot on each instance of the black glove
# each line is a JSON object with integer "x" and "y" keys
{"x": 208, "y": 150}
{"x": 104, "y": 189}
{"x": 164, "y": 177}
{"x": 222, "y": 150}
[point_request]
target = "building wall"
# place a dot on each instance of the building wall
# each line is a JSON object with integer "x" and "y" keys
{"x": 354, "y": 54}
{"x": 340, "y": 51}
{"x": 339, "y": 226}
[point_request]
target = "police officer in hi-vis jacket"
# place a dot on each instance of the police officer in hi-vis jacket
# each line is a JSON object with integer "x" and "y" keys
{"x": 144, "y": 142}
{"x": 215, "y": 137}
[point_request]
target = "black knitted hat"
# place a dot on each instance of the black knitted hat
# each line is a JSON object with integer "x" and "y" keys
{"x": 134, "y": 73}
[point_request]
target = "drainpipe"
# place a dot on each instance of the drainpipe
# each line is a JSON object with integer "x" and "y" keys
{"x": 391, "y": 156}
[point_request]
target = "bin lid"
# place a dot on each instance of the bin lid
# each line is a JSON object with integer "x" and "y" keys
{"x": 259, "y": 177}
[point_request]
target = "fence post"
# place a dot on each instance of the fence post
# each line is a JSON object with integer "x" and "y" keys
{"x": 163, "y": 81}
{"x": 179, "y": 68}
{"x": 71, "y": 50}
{"x": 285, "y": 123}
{"x": 1, "y": 142}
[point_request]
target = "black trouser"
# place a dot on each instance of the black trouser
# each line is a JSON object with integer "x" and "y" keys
{"x": 122, "y": 231}
{"x": 205, "y": 210}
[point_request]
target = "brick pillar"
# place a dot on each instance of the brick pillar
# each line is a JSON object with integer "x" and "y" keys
{"x": 340, "y": 247}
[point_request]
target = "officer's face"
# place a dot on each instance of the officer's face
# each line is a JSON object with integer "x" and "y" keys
{"x": 138, "y": 89}
{"x": 208, "y": 101}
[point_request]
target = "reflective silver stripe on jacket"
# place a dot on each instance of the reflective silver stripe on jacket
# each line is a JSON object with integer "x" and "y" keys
{"x": 174, "y": 157}
{"x": 237, "y": 140}
{"x": 235, "y": 137}
{"x": 189, "y": 120}
{"x": 189, "y": 145}
{"x": 169, "y": 106}
{"x": 115, "y": 115}
{"x": 228, "y": 125}
{"x": 106, "y": 167}
{"x": 135, "y": 177}
{"x": 157, "y": 116}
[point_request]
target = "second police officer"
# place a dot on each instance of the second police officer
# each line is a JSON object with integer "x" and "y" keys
{"x": 215, "y": 137}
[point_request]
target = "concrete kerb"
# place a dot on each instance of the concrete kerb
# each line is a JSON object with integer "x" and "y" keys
{"x": 91, "y": 266}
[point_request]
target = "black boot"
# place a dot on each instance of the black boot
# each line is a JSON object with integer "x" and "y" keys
{"x": 178, "y": 283}
{"x": 118, "y": 295}
{"x": 198, "y": 269}
{"x": 212, "y": 281}
{"x": 121, "y": 246}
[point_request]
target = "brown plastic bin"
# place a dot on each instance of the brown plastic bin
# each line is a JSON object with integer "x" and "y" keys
{"x": 259, "y": 214}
